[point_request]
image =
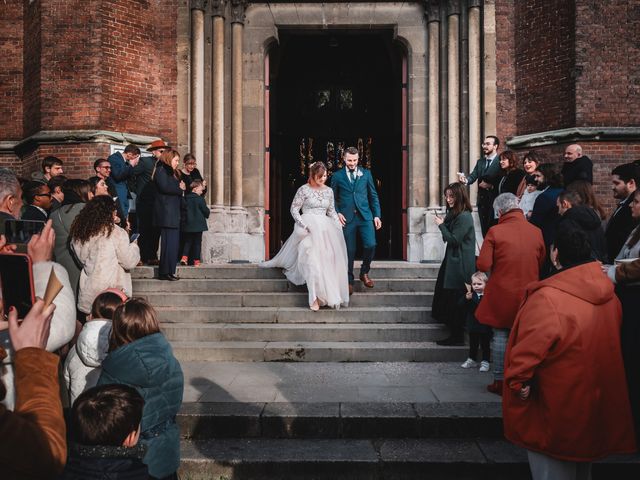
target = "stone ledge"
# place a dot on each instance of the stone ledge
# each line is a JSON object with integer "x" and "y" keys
{"x": 575, "y": 134}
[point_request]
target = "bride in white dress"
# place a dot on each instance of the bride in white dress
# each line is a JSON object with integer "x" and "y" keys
{"x": 316, "y": 253}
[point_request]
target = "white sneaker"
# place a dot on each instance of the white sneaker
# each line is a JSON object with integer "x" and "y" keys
{"x": 468, "y": 363}
{"x": 484, "y": 366}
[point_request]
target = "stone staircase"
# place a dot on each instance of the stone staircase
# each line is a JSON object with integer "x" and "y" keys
{"x": 245, "y": 313}
{"x": 276, "y": 391}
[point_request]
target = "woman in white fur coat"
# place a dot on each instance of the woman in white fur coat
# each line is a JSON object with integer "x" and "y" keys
{"x": 104, "y": 250}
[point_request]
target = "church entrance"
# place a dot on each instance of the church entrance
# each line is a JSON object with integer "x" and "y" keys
{"x": 329, "y": 90}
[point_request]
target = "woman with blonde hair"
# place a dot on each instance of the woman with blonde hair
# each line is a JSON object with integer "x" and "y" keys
{"x": 167, "y": 211}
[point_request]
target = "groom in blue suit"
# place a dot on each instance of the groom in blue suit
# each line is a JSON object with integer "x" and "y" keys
{"x": 358, "y": 210}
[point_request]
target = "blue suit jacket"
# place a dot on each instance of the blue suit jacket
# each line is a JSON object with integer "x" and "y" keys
{"x": 361, "y": 195}
{"x": 120, "y": 173}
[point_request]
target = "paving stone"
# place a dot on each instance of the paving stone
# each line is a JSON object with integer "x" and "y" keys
{"x": 459, "y": 420}
{"x": 301, "y": 420}
{"x": 220, "y": 420}
{"x": 372, "y": 420}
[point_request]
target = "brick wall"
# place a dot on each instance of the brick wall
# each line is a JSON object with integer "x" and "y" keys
{"x": 608, "y": 63}
{"x": 78, "y": 158}
{"x": 605, "y": 156}
{"x": 11, "y": 46}
{"x": 506, "y": 71}
{"x": 544, "y": 62}
{"x": 139, "y": 67}
{"x": 32, "y": 62}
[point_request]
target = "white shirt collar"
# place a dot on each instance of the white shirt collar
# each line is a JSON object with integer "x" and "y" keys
{"x": 44, "y": 212}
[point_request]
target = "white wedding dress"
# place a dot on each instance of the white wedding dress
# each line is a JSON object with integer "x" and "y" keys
{"x": 316, "y": 253}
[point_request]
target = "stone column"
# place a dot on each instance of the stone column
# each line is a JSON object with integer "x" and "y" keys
{"x": 453, "y": 87}
{"x": 490, "y": 68}
{"x": 475, "y": 100}
{"x": 217, "y": 120}
{"x": 197, "y": 81}
{"x": 237, "y": 27}
{"x": 433, "y": 19}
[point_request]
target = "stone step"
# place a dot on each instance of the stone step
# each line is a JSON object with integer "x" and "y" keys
{"x": 143, "y": 285}
{"x": 201, "y": 421}
{"x": 242, "y": 271}
{"x": 370, "y": 459}
{"x": 317, "y": 352}
{"x": 283, "y": 299}
{"x": 367, "y": 314}
{"x": 304, "y": 332}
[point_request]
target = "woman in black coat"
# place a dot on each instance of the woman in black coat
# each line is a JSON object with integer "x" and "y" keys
{"x": 166, "y": 211}
{"x": 512, "y": 175}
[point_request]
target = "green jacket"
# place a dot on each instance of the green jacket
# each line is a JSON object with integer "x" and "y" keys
{"x": 197, "y": 213}
{"x": 148, "y": 365}
{"x": 460, "y": 236}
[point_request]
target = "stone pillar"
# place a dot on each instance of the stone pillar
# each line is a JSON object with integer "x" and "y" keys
{"x": 217, "y": 120}
{"x": 453, "y": 87}
{"x": 237, "y": 27}
{"x": 475, "y": 99}
{"x": 433, "y": 19}
{"x": 197, "y": 81}
{"x": 490, "y": 68}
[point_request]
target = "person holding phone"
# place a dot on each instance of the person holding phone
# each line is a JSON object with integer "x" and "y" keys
{"x": 63, "y": 323}
{"x": 459, "y": 261}
{"x": 104, "y": 250}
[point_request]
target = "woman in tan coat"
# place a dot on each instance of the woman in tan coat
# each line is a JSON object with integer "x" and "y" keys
{"x": 566, "y": 399}
{"x": 104, "y": 250}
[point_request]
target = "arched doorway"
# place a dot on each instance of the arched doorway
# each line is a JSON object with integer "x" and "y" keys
{"x": 329, "y": 90}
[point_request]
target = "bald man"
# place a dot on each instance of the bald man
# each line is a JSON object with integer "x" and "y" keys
{"x": 576, "y": 165}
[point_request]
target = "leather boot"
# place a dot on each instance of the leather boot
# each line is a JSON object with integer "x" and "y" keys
{"x": 495, "y": 387}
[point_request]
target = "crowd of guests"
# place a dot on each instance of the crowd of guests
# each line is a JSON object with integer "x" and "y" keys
{"x": 552, "y": 300}
{"x": 96, "y": 351}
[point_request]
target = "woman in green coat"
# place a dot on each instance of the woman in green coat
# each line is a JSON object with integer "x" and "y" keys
{"x": 459, "y": 261}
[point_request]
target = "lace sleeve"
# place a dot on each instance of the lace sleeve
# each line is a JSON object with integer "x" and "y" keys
{"x": 296, "y": 205}
{"x": 331, "y": 209}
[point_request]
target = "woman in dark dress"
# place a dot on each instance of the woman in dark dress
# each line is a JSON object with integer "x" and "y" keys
{"x": 166, "y": 211}
{"x": 190, "y": 172}
{"x": 512, "y": 175}
{"x": 459, "y": 262}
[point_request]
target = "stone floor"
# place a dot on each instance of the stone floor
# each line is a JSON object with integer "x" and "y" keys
{"x": 334, "y": 382}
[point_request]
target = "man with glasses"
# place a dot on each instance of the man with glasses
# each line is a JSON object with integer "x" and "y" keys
{"x": 145, "y": 198}
{"x": 122, "y": 165}
{"x": 486, "y": 171}
{"x": 37, "y": 196}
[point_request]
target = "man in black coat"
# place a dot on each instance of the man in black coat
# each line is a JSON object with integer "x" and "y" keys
{"x": 576, "y": 165}
{"x": 585, "y": 218}
{"x": 624, "y": 179}
{"x": 487, "y": 172}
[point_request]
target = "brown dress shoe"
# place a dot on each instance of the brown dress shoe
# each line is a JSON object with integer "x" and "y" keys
{"x": 364, "y": 278}
{"x": 495, "y": 387}
{"x": 350, "y": 289}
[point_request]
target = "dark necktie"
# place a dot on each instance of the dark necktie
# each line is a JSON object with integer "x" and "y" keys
{"x": 352, "y": 175}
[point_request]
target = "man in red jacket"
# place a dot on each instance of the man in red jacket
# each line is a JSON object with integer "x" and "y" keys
{"x": 512, "y": 252}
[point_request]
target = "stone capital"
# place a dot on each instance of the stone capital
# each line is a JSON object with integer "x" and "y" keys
{"x": 198, "y": 4}
{"x": 238, "y": 8}
{"x": 216, "y": 8}
{"x": 432, "y": 10}
{"x": 453, "y": 7}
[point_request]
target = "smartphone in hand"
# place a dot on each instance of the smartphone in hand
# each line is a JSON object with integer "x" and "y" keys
{"x": 21, "y": 231}
{"x": 16, "y": 281}
{"x": 134, "y": 237}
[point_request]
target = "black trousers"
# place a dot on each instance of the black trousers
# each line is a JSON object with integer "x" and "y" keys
{"x": 170, "y": 241}
{"x": 482, "y": 340}
{"x": 192, "y": 245}
{"x": 149, "y": 234}
{"x": 485, "y": 212}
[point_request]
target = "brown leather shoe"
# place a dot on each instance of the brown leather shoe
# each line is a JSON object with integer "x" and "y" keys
{"x": 350, "y": 289}
{"x": 364, "y": 278}
{"x": 495, "y": 387}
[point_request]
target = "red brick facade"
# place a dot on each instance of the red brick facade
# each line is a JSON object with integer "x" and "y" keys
{"x": 85, "y": 65}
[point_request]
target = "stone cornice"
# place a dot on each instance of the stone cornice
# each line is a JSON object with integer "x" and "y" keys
{"x": 238, "y": 8}
{"x": 575, "y": 134}
{"x": 56, "y": 137}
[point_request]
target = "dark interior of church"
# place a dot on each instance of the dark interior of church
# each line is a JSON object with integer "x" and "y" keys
{"x": 330, "y": 90}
